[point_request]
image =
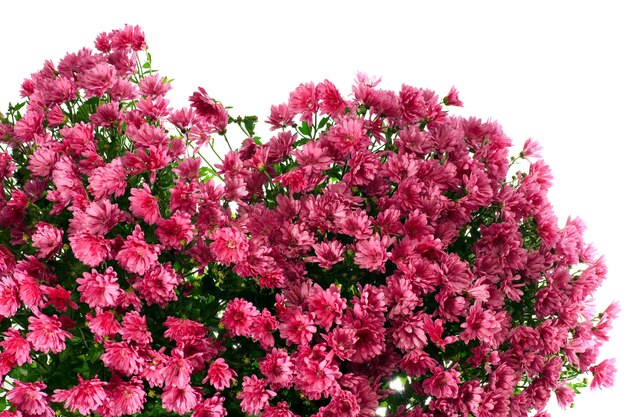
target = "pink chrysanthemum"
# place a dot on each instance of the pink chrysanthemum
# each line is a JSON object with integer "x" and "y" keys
{"x": 126, "y": 397}
{"x": 177, "y": 371}
{"x": 99, "y": 290}
{"x": 175, "y": 232}
{"x": 42, "y": 161}
{"x": 103, "y": 324}
{"x": 349, "y": 135}
{"x": 443, "y": 384}
{"x": 182, "y": 330}
{"x": 122, "y": 357}
{"x": 342, "y": 404}
{"x": 85, "y": 397}
{"x": 219, "y": 374}
{"x": 238, "y": 317}
{"x": 158, "y": 285}
{"x": 134, "y": 328}
{"x": 326, "y": 305}
{"x": 47, "y": 239}
{"x": 59, "y": 298}
{"x": 262, "y": 327}
{"x": 564, "y": 395}
{"x": 210, "y": 110}
{"x": 603, "y": 374}
{"x": 211, "y": 407}
{"x": 296, "y": 327}
{"x": 229, "y": 245}
{"x": 372, "y": 254}
{"x": 108, "y": 180}
{"x": 180, "y": 400}
{"x": 29, "y": 398}
{"x": 14, "y": 344}
{"x": 327, "y": 254}
{"x": 277, "y": 368}
{"x": 254, "y": 396}
{"x": 304, "y": 100}
{"x": 136, "y": 255}
{"x": 9, "y": 302}
{"x": 90, "y": 249}
{"x": 144, "y": 205}
{"x": 480, "y": 324}
{"x": 316, "y": 373}
{"x": 341, "y": 342}
{"x": 45, "y": 334}
{"x": 102, "y": 216}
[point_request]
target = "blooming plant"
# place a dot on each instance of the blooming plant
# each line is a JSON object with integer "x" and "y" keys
{"x": 377, "y": 253}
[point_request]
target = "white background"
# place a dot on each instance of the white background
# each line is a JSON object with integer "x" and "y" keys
{"x": 547, "y": 70}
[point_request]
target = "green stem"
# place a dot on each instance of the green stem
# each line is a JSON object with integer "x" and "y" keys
{"x": 211, "y": 167}
{"x": 227, "y": 143}
{"x": 213, "y": 149}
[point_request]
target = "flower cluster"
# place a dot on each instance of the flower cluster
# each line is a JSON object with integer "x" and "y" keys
{"x": 376, "y": 252}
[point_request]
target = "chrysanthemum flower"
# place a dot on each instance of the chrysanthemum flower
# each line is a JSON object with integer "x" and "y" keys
{"x": 219, "y": 374}
{"x": 45, "y": 334}
{"x": 85, "y": 397}
{"x": 254, "y": 396}
{"x": 136, "y": 255}
{"x": 99, "y": 290}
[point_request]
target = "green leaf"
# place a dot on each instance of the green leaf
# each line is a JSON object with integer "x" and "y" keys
{"x": 323, "y": 122}
{"x": 305, "y": 129}
{"x": 249, "y": 122}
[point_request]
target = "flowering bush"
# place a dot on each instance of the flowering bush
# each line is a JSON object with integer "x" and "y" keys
{"x": 376, "y": 253}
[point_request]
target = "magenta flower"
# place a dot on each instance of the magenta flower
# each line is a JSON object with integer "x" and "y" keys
{"x": 238, "y": 317}
{"x": 372, "y": 254}
{"x": 9, "y": 302}
{"x": 122, "y": 357}
{"x": 480, "y": 324}
{"x": 158, "y": 285}
{"x": 326, "y": 306}
{"x": 29, "y": 399}
{"x": 85, "y": 397}
{"x": 45, "y": 334}
{"x": 90, "y": 249}
{"x": 254, "y": 396}
{"x": 47, "y": 239}
{"x": 14, "y": 344}
{"x": 304, "y": 100}
{"x": 175, "y": 232}
{"x": 108, "y": 180}
{"x": 103, "y": 324}
{"x": 219, "y": 374}
{"x": 278, "y": 368}
{"x": 211, "y": 407}
{"x": 180, "y": 400}
{"x": 229, "y": 245}
{"x": 99, "y": 290}
{"x": 134, "y": 328}
{"x": 177, "y": 370}
{"x": 144, "y": 205}
{"x": 125, "y": 397}
{"x": 296, "y": 327}
{"x": 603, "y": 374}
{"x": 183, "y": 330}
{"x": 136, "y": 255}
{"x": 443, "y": 384}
